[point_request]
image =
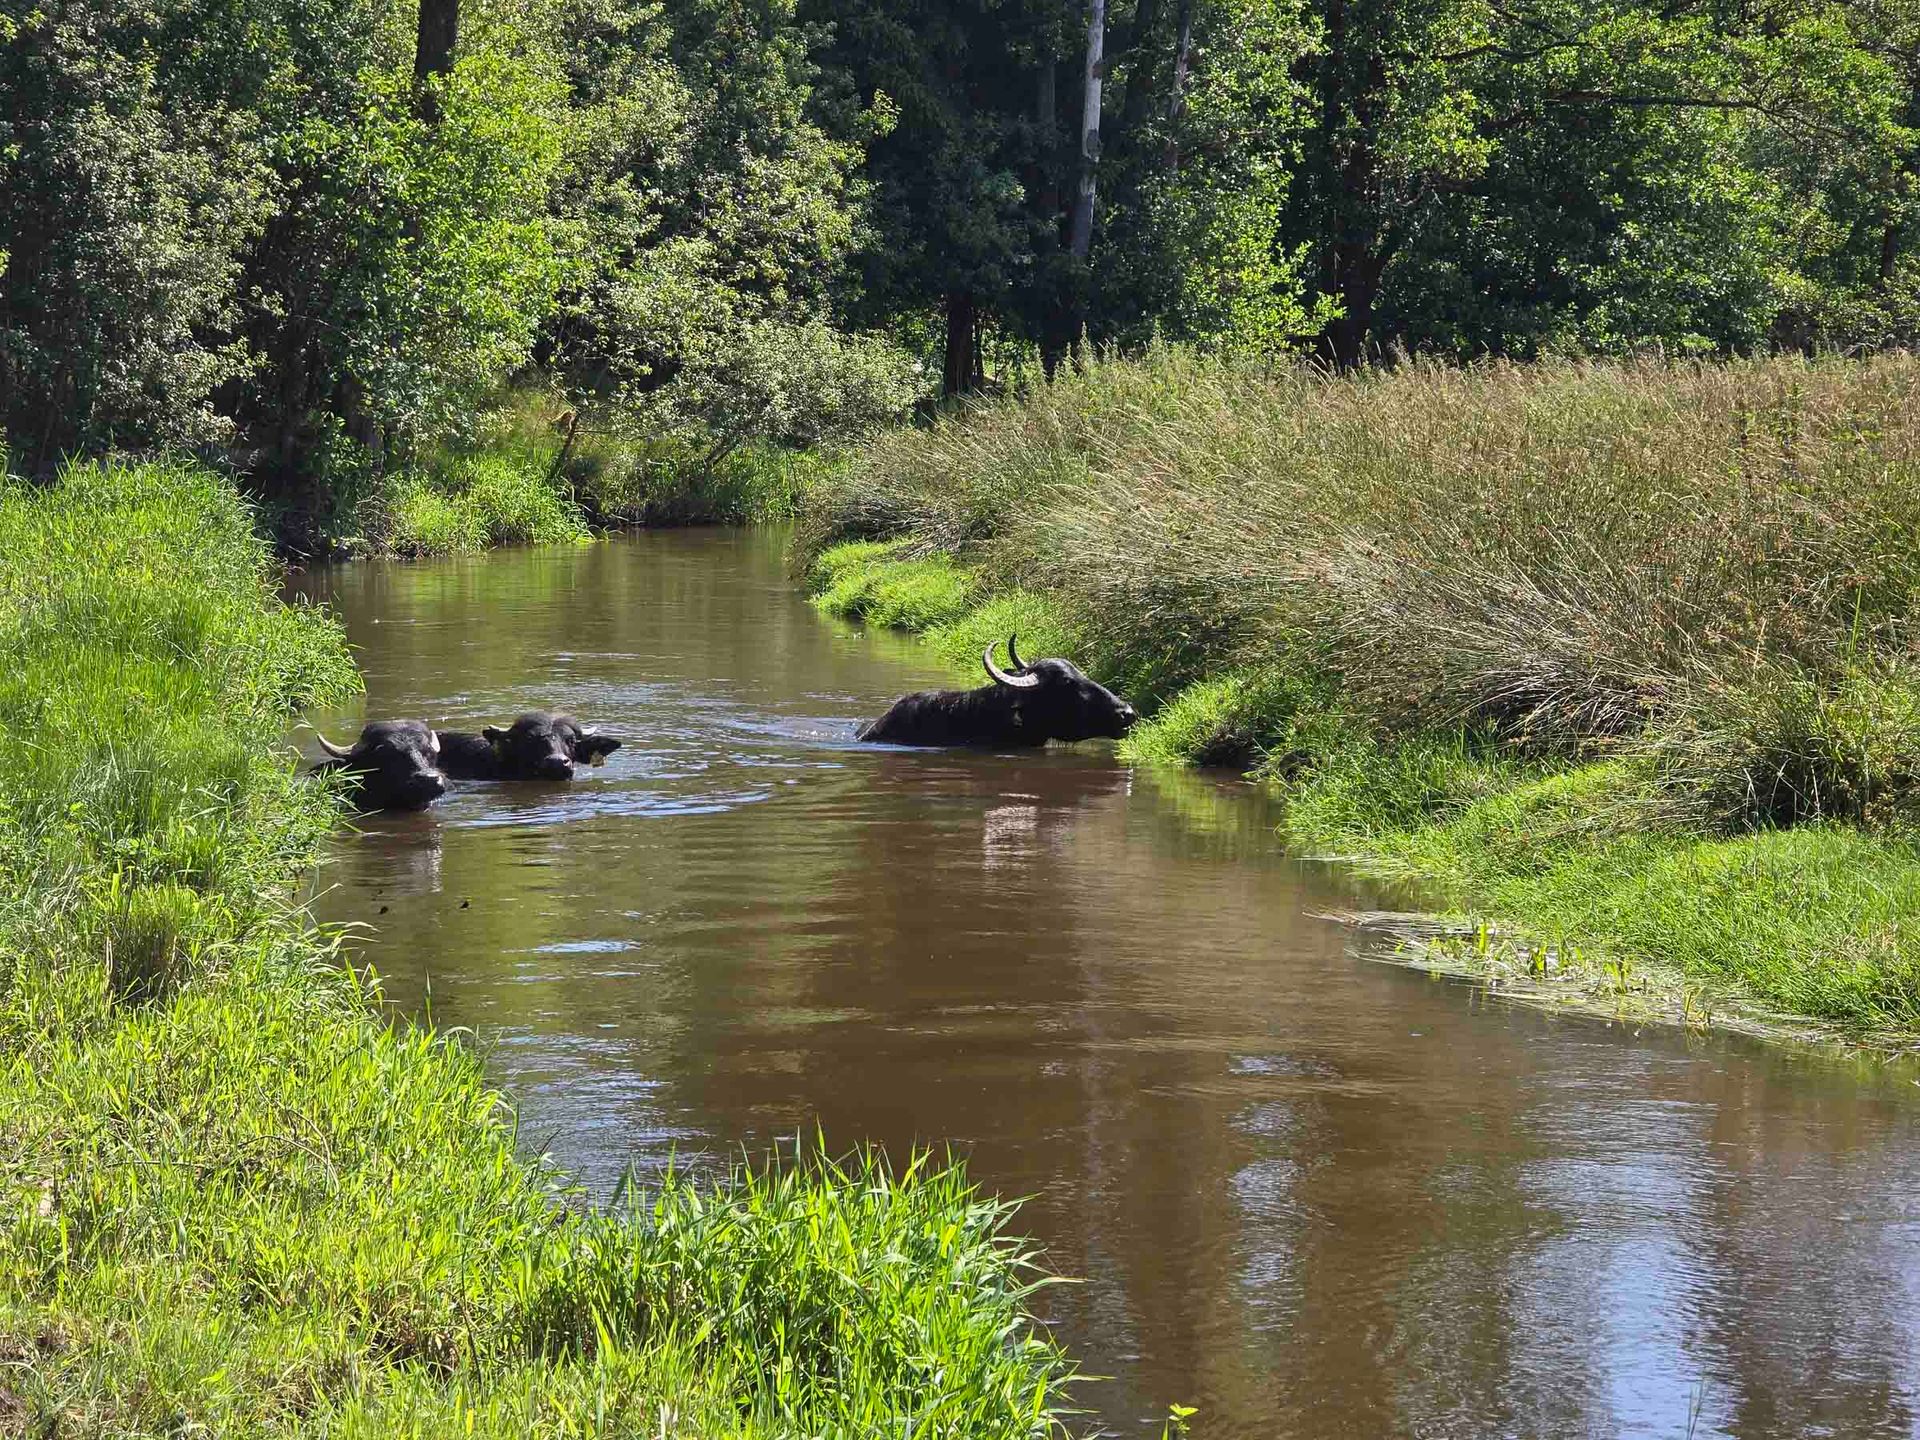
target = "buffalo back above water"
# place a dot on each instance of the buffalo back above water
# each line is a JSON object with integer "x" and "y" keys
{"x": 1030, "y": 705}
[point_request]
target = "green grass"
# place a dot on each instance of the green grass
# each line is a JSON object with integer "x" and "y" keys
{"x": 234, "y": 1200}
{"x": 521, "y": 481}
{"x": 1436, "y": 608}
{"x": 480, "y": 502}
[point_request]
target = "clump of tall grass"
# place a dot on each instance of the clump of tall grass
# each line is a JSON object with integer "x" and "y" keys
{"x": 1409, "y": 594}
{"x": 479, "y": 502}
{"x": 235, "y": 1200}
{"x": 1560, "y": 552}
{"x": 821, "y": 1295}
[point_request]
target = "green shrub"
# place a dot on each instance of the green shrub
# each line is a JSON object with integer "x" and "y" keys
{"x": 660, "y": 482}
{"x": 1784, "y": 746}
{"x": 480, "y": 501}
{"x": 869, "y": 582}
{"x": 1276, "y": 720}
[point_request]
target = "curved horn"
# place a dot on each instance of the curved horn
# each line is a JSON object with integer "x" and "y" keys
{"x": 1001, "y": 677}
{"x": 331, "y": 748}
{"x": 1013, "y": 654}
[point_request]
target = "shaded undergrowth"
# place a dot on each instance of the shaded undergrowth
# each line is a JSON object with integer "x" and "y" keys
{"x": 1615, "y": 652}
{"x": 234, "y": 1201}
{"x": 539, "y": 472}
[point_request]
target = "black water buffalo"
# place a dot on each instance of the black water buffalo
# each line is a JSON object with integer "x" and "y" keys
{"x": 538, "y": 746}
{"x": 394, "y": 765}
{"x": 1029, "y": 705}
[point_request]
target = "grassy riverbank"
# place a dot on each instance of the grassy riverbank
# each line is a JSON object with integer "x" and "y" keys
{"x": 233, "y": 1201}
{"x": 1616, "y": 657}
{"x": 537, "y": 473}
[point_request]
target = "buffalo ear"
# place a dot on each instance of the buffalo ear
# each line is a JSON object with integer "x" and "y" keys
{"x": 495, "y": 737}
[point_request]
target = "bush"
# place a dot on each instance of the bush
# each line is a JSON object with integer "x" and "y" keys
{"x": 1272, "y": 720}
{"x": 480, "y": 501}
{"x": 1784, "y": 746}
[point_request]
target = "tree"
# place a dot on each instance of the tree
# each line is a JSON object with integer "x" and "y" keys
{"x": 966, "y": 223}
{"x": 1590, "y": 172}
{"x": 712, "y": 218}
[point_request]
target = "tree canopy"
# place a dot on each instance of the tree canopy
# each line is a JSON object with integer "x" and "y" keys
{"x": 304, "y": 236}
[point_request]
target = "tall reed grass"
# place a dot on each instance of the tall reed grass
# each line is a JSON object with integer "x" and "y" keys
{"x": 1565, "y": 554}
{"x": 1424, "y": 582}
{"x": 235, "y": 1201}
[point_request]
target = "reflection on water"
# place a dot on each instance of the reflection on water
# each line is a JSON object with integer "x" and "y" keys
{"x": 1314, "y": 1196}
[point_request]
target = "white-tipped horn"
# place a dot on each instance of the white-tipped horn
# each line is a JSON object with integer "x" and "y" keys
{"x": 1001, "y": 677}
{"x": 331, "y": 748}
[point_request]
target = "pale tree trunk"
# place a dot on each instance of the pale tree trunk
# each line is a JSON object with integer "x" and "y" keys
{"x": 1080, "y": 228}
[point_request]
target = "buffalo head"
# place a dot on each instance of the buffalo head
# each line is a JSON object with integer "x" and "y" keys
{"x": 541, "y": 745}
{"x": 1058, "y": 700}
{"x": 394, "y": 765}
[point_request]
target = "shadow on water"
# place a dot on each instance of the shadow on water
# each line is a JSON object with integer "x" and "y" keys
{"x": 1311, "y": 1195}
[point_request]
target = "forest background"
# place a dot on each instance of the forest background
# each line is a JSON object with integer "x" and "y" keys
{"x": 312, "y": 240}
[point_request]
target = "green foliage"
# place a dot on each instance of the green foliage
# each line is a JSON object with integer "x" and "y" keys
{"x": 426, "y": 258}
{"x": 142, "y": 662}
{"x": 1271, "y": 719}
{"x": 134, "y": 191}
{"x": 1785, "y": 744}
{"x": 865, "y": 582}
{"x": 712, "y": 217}
{"x": 824, "y": 1295}
{"x": 1820, "y": 920}
{"x": 234, "y": 1198}
{"x": 478, "y": 502}
{"x": 236, "y": 226}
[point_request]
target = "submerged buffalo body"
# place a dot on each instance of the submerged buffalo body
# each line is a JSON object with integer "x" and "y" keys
{"x": 1029, "y": 705}
{"x": 538, "y": 746}
{"x": 394, "y": 765}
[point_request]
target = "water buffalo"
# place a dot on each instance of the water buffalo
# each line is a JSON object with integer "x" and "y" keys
{"x": 394, "y": 765}
{"x": 538, "y": 746}
{"x": 1029, "y": 705}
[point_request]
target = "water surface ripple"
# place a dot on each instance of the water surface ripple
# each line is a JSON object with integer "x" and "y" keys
{"x": 1312, "y": 1195}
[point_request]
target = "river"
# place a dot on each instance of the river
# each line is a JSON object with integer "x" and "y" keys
{"x": 1308, "y": 1193}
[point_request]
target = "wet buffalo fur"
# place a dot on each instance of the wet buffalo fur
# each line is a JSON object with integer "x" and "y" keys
{"x": 394, "y": 765}
{"x": 540, "y": 745}
{"x": 1030, "y": 705}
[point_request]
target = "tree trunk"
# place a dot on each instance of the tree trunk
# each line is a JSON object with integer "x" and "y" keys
{"x": 1139, "y": 72}
{"x": 963, "y": 326}
{"x": 1355, "y": 278}
{"x": 1056, "y": 322}
{"x": 1046, "y": 115}
{"x": 1080, "y": 228}
{"x": 433, "y": 49}
{"x": 1177, "y": 89}
{"x": 1353, "y": 87}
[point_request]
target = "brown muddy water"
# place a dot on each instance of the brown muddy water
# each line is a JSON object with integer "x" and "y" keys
{"x": 1311, "y": 1194}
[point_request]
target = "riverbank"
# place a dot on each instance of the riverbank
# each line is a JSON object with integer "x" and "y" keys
{"x": 536, "y": 472}
{"x": 1615, "y": 659}
{"x": 234, "y": 1199}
